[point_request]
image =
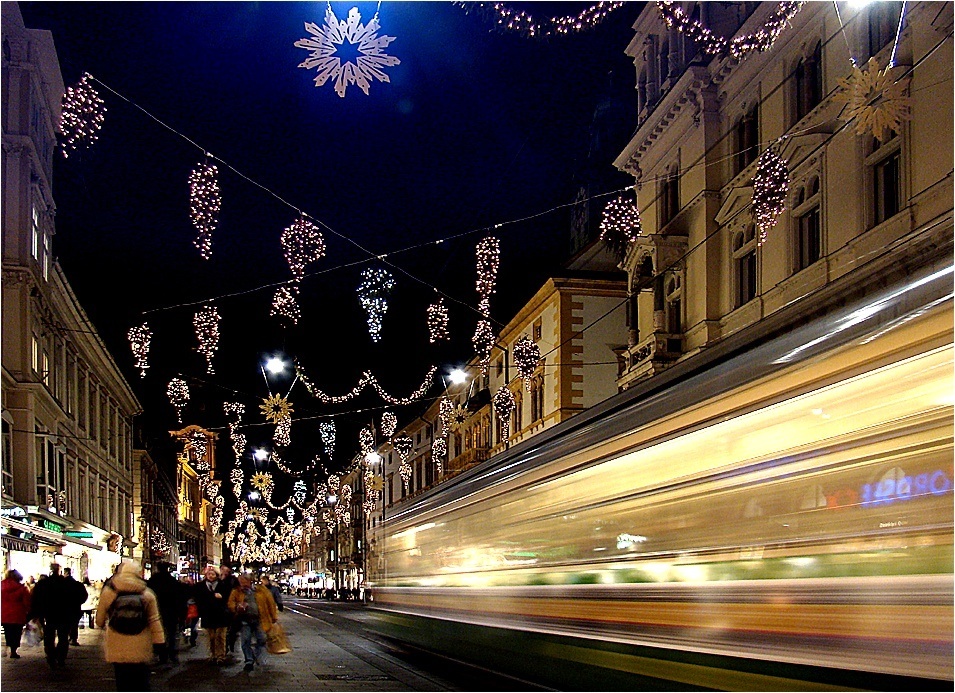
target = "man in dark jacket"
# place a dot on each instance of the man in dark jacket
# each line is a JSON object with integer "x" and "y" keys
{"x": 54, "y": 605}
{"x": 212, "y": 598}
{"x": 231, "y": 581}
{"x": 172, "y": 608}
{"x": 78, "y": 590}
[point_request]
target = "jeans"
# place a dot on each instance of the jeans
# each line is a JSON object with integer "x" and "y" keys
{"x": 248, "y": 629}
{"x": 132, "y": 677}
{"x": 56, "y": 640}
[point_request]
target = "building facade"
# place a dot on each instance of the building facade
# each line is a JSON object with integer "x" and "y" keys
{"x": 200, "y": 536}
{"x": 155, "y": 518}
{"x": 67, "y": 409}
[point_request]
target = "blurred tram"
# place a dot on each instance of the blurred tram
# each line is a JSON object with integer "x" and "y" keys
{"x": 775, "y": 515}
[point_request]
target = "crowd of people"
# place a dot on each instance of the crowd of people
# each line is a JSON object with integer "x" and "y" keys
{"x": 143, "y": 619}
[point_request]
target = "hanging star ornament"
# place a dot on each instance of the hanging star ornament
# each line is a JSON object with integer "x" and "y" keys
{"x": 275, "y": 408}
{"x": 328, "y": 57}
{"x": 875, "y": 100}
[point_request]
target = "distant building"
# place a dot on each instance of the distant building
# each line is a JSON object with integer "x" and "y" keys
{"x": 67, "y": 410}
{"x": 197, "y": 485}
{"x": 155, "y": 517}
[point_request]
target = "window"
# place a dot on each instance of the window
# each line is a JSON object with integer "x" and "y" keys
{"x": 517, "y": 417}
{"x": 7, "y": 479}
{"x": 82, "y": 389}
{"x": 883, "y": 25}
{"x": 663, "y": 59}
{"x": 45, "y": 366}
{"x": 70, "y": 384}
{"x": 807, "y": 82}
{"x": 537, "y": 398}
{"x": 538, "y": 328}
{"x": 499, "y": 367}
{"x": 885, "y": 168}
{"x": 670, "y": 195}
{"x": 807, "y": 244}
{"x": 746, "y": 139}
{"x": 35, "y": 228}
{"x": 744, "y": 265}
{"x": 47, "y": 255}
{"x": 35, "y": 354}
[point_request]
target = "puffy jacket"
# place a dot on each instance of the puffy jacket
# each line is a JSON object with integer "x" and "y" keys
{"x": 14, "y": 601}
{"x": 268, "y": 613}
{"x": 129, "y": 649}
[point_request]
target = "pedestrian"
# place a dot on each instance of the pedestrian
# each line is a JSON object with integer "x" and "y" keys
{"x": 192, "y": 609}
{"x": 231, "y": 582}
{"x": 274, "y": 590}
{"x": 129, "y": 612}
{"x": 172, "y": 608}
{"x": 14, "y": 607}
{"x": 54, "y": 605}
{"x": 255, "y": 612}
{"x": 92, "y": 601}
{"x": 31, "y": 583}
{"x": 79, "y": 596}
{"x": 212, "y": 599}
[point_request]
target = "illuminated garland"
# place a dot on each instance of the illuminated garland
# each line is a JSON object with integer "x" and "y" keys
{"x": 527, "y": 357}
{"x": 488, "y": 254}
{"x": 238, "y": 440}
{"x": 139, "y": 340}
{"x": 445, "y": 415}
{"x": 366, "y": 439}
{"x": 302, "y": 244}
{"x": 376, "y": 284}
{"x": 438, "y": 322}
{"x": 204, "y": 205}
{"x": 206, "y": 322}
{"x": 236, "y": 476}
{"x": 509, "y": 19}
{"x": 740, "y": 46}
{"x": 178, "y": 393}
{"x": 158, "y": 542}
{"x": 285, "y": 305}
{"x": 620, "y": 225}
{"x": 504, "y": 405}
{"x": 874, "y": 100}
{"x": 326, "y": 430}
{"x": 275, "y": 408}
{"x": 483, "y": 340}
{"x": 367, "y": 379}
{"x": 82, "y": 115}
{"x": 770, "y": 188}
{"x": 389, "y": 424}
{"x": 283, "y": 432}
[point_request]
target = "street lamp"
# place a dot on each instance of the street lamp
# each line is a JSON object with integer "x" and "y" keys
{"x": 275, "y": 365}
{"x": 332, "y": 502}
{"x": 458, "y": 376}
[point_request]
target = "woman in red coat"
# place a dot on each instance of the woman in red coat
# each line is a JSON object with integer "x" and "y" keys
{"x": 14, "y": 607}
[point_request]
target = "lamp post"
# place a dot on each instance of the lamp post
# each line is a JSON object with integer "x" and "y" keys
{"x": 332, "y": 502}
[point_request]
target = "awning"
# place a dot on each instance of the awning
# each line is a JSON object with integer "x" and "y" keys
{"x": 45, "y": 535}
{"x": 20, "y": 544}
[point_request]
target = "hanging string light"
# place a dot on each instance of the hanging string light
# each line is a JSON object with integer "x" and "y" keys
{"x": 326, "y": 430}
{"x": 446, "y": 415}
{"x": 82, "y": 115}
{"x": 238, "y": 439}
{"x": 204, "y": 205}
{"x": 620, "y": 225}
{"x": 483, "y": 340}
{"x": 197, "y": 443}
{"x": 504, "y": 405}
{"x": 527, "y": 357}
{"x": 508, "y": 19}
{"x": 206, "y": 322}
{"x": 298, "y": 492}
{"x": 438, "y": 322}
{"x": 404, "y": 446}
{"x": 376, "y": 285}
{"x": 389, "y": 424}
{"x": 178, "y": 392}
{"x": 770, "y": 188}
{"x": 488, "y": 254}
{"x": 283, "y": 432}
{"x": 285, "y": 304}
{"x": 302, "y": 243}
{"x": 439, "y": 448}
{"x": 740, "y": 46}
{"x": 236, "y": 476}
{"x": 369, "y": 380}
{"x": 366, "y": 439}
{"x": 139, "y": 340}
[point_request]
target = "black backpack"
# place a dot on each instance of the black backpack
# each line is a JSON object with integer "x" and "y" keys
{"x": 127, "y": 613}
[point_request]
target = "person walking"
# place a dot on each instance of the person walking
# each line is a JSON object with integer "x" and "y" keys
{"x": 255, "y": 612}
{"x": 172, "y": 607}
{"x": 212, "y": 598}
{"x": 54, "y": 605}
{"x": 14, "y": 607}
{"x": 129, "y": 611}
{"x": 231, "y": 582}
{"x": 274, "y": 590}
{"x": 192, "y": 609}
{"x": 92, "y": 601}
{"x": 79, "y": 596}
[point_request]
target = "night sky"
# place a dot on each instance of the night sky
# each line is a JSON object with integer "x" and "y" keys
{"x": 475, "y": 128}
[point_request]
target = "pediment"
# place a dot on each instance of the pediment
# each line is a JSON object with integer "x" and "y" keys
{"x": 738, "y": 200}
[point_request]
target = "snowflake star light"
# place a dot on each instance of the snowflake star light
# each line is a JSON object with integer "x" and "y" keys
{"x": 276, "y": 408}
{"x": 874, "y": 100}
{"x": 328, "y": 40}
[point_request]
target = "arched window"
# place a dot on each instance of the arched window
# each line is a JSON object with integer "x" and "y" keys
{"x": 744, "y": 266}
{"x": 807, "y": 225}
{"x": 883, "y": 24}
{"x": 664, "y": 62}
{"x": 537, "y": 398}
{"x": 674, "y": 304}
{"x": 746, "y": 139}
{"x": 807, "y": 83}
{"x": 517, "y": 417}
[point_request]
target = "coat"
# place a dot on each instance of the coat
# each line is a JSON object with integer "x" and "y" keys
{"x": 79, "y": 595}
{"x": 268, "y": 612}
{"x": 54, "y": 600}
{"x": 213, "y": 610}
{"x": 129, "y": 649}
{"x": 172, "y": 599}
{"x": 14, "y": 602}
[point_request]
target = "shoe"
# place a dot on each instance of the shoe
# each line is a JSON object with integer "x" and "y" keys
{"x": 14, "y": 655}
{"x": 51, "y": 662}
{"x": 248, "y": 667}
{"x": 75, "y": 642}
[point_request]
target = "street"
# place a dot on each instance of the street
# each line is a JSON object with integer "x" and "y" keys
{"x": 332, "y": 651}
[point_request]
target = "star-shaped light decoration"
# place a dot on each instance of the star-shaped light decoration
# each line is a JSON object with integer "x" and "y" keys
{"x": 327, "y": 58}
{"x": 276, "y": 408}
{"x": 875, "y": 100}
{"x": 261, "y": 480}
{"x": 459, "y": 417}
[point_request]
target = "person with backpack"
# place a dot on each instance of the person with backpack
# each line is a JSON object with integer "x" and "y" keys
{"x": 130, "y": 613}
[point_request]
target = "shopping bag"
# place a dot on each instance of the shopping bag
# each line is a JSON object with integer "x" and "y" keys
{"x": 33, "y": 633}
{"x": 276, "y": 640}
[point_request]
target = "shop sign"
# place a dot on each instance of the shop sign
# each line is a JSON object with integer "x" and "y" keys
{"x": 52, "y": 526}
{"x": 78, "y": 535}
{"x": 13, "y": 511}
{"x": 17, "y": 544}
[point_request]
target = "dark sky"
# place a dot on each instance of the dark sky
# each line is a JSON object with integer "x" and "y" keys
{"x": 475, "y": 128}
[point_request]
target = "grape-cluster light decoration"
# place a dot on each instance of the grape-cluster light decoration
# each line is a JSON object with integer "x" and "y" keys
{"x": 178, "y": 392}
{"x": 504, "y": 404}
{"x": 438, "y": 322}
{"x": 205, "y": 201}
{"x": 326, "y": 431}
{"x": 620, "y": 225}
{"x": 285, "y": 304}
{"x": 139, "y": 341}
{"x": 389, "y": 424}
{"x": 82, "y": 115}
{"x": 527, "y": 357}
{"x": 488, "y": 254}
{"x": 302, "y": 244}
{"x": 770, "y": 188}
{"x": 483, "y": 340}
{"x": 206, "y": 322}
{"x": 376, "y": 285}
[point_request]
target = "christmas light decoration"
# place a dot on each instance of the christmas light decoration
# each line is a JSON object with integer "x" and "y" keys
{"x": 275, "y": 408}
{"x": 82, "y": 115}
{"x": 302, "y": 243}
{"x": 389, "y": 423}
{"x": 334, "y": 481}
{"x": 197, "y": 443}
{"x": 204, "y": 204}
{"x": 298, "y": 492}
{"x": 290, "y": 513}
{"x": 367, "y": 379}
{"x": 875, "y": 100}
{"x": 405, "y": 471}
{"x": 488, "y": 254}
{"x": 139, "y": 340}
{"x": 483, "y": 340}
{"x": 283, "y": 432}
{"x": 445, "y": 415}
{"x": 368, "y": 65}
{"x": 261, "y": 480}
{"x": 236, "y": 476}
{"x": 518, "y": 21}
{"x": 158, "y": 543}
{"x": 459, "y": 417}
{"x": 404, "y": 446}
{"x": 366, "y": 439}
{"x": 740, "y": 46}
{"x": 238, "y": 440}
{"x": 438, "y": 322}
{"x": 439, "y": 448}
{"x": 376, "y": 284}
{"x": 178, "y": 393}
{"x": 285, "y": 304}
{"x": 620, "y": 225}
{"x": 326, "y": 430}
{"x": 504, "y": 405}
{"x": 206, "y": 323}
{"x": 527, "y": 357}
{"x": 770, "y": 188}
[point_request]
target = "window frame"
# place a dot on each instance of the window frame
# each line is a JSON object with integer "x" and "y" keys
{"x": 879, "y": 154}
{"x": 745, "y": 264}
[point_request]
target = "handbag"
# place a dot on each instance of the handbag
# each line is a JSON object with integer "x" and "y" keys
{"x": 276, "y": 640}
{"x": 34, "y": 634}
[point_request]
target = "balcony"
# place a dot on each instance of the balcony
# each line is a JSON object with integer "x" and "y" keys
{"x": 466, "y": 460}
{"x": 652, "y": 355}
